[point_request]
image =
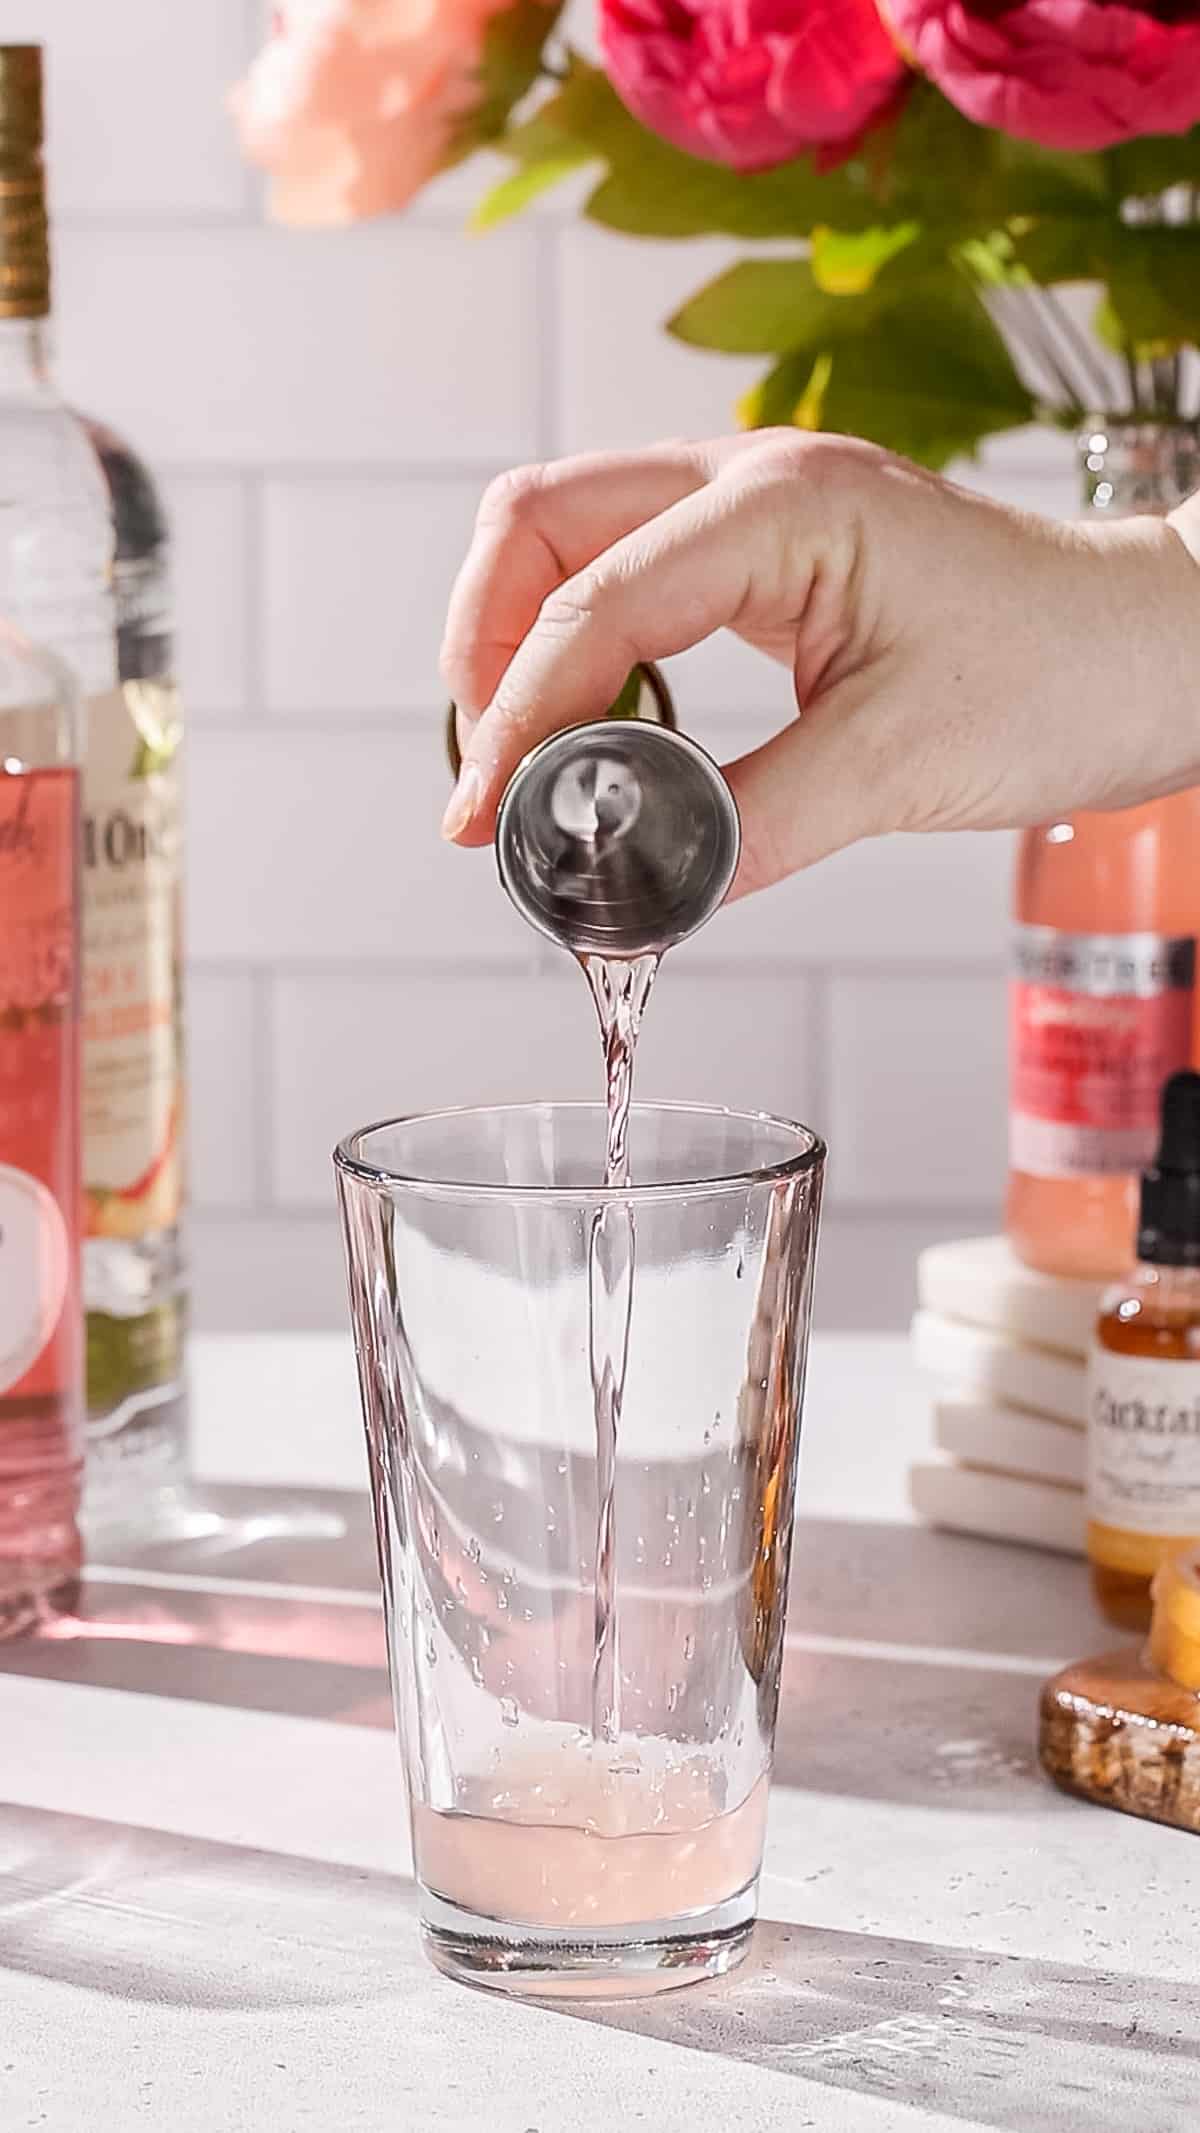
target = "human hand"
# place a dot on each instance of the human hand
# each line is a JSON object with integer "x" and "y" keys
{"x": 956, "y": 664}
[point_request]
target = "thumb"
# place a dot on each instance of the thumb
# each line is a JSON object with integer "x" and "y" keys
{"x": 812, "y": 789}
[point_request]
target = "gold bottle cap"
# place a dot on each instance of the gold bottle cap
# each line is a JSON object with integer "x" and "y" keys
{"x": 24, "y": 239}
{"x": 645, "y": 695}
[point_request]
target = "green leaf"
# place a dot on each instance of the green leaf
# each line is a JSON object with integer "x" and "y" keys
{"x": 509, "y": 65}
{"x": 796, "y": 382}
{"x": 845, "y": 263}
{"x": 516, "y": 192}
{"x": 654, "y": 190}
{"x": 930, "y": 379}
{"x": 952, "y": 174}
{"x": 918, "y": 397}
{"x": 1151, "y": 272}
{"x": 1154, "y": 284}
{"x": 762, "y": 305}
{"x": 1142, "y": 169}
{"x": 625, "y": 703}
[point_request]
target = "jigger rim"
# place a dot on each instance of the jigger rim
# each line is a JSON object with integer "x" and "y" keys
{"x": 649, "y": 734}
{"x": 809, "y": 1157}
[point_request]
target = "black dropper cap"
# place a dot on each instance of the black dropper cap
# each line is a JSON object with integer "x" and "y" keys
{"x": 1169, "y": 1230}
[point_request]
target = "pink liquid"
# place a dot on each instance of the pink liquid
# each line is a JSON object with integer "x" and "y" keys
{"x": 588, "y": 1843}
{"x": 1136, "y": 871}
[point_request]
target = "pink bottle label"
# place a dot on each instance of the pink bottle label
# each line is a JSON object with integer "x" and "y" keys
{"x": 1098, "y": 1023}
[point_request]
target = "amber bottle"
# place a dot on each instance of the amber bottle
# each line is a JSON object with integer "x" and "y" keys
{"x": 1143, "y": 1397}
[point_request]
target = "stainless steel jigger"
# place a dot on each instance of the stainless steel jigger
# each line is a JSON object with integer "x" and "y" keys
{"x": 617, "y": 839}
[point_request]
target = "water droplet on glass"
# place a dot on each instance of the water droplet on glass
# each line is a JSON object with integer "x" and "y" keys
{"x": 741, "y": 1266}
{"x": 508, "y": 1711}
{"x": 498, "y": 1508}
{"x": 473, "y": 1549}
{"x": 460, "y": 1588}
{"x": 528, "y": 1614}
{"x": 476, "y": 1673}
{"x": 435, "y": 1541}
{"x": 502, "y": 1601}
{"x": 509, "y": 1576}
{"x": 689, "y": 1645}
{"x": 562, "y": 1466}
{"x": 735, "y": 1495}
{"x": 485, "y": 1638}
{"x": 430, "y": 1652}
{"x": 706, "y": 1484}
{"x": 709, "y": 1716}
{"x": 708, "y": 1436}
{"x": 673, "y": 1696}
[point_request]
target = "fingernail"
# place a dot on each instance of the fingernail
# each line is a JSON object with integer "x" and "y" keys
{"x": 464, "y": 802}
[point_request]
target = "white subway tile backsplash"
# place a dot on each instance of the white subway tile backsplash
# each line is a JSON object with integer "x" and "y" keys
{"x": 285, "y": 1274}
{"x": 867, "y": 1266}
{"x": 268, "y": 1275}
{"x": 1035, "y": 469}
{"x": 211, "y": 563}
{"x": 346, "y": 1050}
{"x": 325, "y": 408}
{"x": 308, "y": 846}
{"x": 917, "y": 1091}
{"x": 894, "y": 900}
{"x": 136, "y": 91}
{"x": 622, "y": 380}
{"x": 357, "y": 574}
{"x": 241, "y": 346}
{"x": 222, "y": 1087}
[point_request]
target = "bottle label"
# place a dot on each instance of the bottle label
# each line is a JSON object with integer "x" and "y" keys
{"x": 1098, "y": 1023}
{"x": 35, "y": 1271}
{"x": 132, "y": 1080}
{"x": 1143, "y": 1431}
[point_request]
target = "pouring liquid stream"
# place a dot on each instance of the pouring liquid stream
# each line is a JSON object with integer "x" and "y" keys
{"x": 620, "y": 990}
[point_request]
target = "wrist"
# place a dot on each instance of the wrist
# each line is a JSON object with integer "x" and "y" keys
{"x": 1150, "y": 578}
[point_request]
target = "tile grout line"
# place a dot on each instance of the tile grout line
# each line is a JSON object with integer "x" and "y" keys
{"x": 254, "y": 535}
{"x": 819, "y": 1045}
{"x": 262, "y": 979}
{"x": 549, "y": 298}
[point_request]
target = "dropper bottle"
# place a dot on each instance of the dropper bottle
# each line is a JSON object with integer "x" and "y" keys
{"x": 1143, "y": 1394}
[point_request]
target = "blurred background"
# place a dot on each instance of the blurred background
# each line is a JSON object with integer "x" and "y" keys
{"x": 323, "y": 410}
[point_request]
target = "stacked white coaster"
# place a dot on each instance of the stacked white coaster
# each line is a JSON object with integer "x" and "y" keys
{"x": 1005, "y": 1349}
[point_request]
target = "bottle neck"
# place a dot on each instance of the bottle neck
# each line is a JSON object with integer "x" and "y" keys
{"x": 1175, "y": 1289}
{"x": 24, "y": 357}
{"x": 1130, "y": 467}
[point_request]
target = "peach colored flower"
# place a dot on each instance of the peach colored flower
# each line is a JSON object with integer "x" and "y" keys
{"x": 353, "y": 104}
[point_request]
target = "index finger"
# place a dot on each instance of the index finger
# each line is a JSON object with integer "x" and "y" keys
{"x": 736, "y": 552}
{"x": 536, "y": 527}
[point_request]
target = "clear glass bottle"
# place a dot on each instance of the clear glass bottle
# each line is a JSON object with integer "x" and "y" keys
{"x": 1143, "y": 1395}
{"x": 1104, "y": 998}
{"x": 41, "y": 1329}
{"x": 81, "y": 571}
{"x": 135, "y": 1273}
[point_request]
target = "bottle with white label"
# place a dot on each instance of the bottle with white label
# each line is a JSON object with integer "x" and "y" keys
{"x": 82, "y": 548}
{"x": 1143, "y": 1388}
{"x": 1104, "y": 999}
{"x": 41, "y": 1328}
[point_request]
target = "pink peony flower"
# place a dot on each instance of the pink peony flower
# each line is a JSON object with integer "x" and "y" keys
{"x": 353, "y": 104}
{"x": 753, "y": 82}
{"x": 1074, "y": 74}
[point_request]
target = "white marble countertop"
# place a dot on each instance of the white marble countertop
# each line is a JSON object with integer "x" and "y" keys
{"x": 206, "y": 1921}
